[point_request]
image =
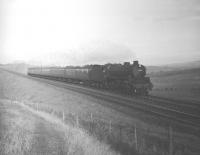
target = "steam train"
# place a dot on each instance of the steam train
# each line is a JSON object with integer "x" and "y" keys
{"x": 127, "y": 77}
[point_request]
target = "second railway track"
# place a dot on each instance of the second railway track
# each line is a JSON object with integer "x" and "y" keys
{"x": 178, "y": 105}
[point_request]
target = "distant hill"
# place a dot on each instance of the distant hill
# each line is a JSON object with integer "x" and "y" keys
{"x": 152, "y": 70}
{"x": 179, "y": 81}
{"x": 174, "y": 67}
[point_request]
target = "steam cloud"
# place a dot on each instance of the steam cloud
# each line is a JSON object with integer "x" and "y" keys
{"x": 97, "y": 52}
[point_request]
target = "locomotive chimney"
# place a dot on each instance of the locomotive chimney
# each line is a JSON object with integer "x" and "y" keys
{"x": 135, "y": 63}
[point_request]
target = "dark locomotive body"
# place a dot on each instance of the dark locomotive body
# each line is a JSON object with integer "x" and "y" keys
{"x": 130, "y": 78}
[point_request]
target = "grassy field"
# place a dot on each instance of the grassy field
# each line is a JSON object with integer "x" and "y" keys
{"x": 180, "y": 84}
{"x": 152, "y": 139}
{"x": 25, "y": 131}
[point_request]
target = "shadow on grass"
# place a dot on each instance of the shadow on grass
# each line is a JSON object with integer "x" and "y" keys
{"x": 100, "y": 131}
{"x": 123, "y": 148}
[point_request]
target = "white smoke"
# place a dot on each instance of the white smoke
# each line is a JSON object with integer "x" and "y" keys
{"x": 97, "y": 52}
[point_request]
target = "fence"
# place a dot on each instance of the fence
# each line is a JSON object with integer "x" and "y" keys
{"x": 126, "y": 139}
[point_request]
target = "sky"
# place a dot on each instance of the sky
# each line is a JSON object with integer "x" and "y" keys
{"x": 78, "y": 32}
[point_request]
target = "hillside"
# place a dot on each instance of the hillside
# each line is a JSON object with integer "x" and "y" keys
{"x": 174, "y": 67}
{"x": 182, "y": 83}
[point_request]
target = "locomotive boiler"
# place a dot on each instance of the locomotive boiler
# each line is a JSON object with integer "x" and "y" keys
{"x": 127, "y": 77}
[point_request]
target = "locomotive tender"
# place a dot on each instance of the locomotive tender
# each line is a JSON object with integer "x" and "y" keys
{"x": 131, "y": 78}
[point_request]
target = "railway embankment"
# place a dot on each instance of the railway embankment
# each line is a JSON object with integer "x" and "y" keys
{"x": 103, "y": 122}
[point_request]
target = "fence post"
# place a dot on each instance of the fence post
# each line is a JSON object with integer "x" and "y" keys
{"x": 110, "y": 126}
{"x": 91, "y": 117}
{"x": 63, "y": 116}
{"x": 120, "y": 133}
{"x": 135, "y": 136}
{"x": 91, "y": 123}
{"x": 143, "y": 147}
{"x": 170, "y": 141}
{"x": 77, "y": 121}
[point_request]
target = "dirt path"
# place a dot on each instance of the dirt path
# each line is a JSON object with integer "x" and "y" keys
{"x": 47, "y": 140}
{"x": 24, "y": 133}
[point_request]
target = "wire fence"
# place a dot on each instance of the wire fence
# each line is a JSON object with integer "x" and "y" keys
{"x": 130, "y": 139}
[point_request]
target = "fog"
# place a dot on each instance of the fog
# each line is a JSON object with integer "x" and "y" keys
{"x": 76, "y": 32}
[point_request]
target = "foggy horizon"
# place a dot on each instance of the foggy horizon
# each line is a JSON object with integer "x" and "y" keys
{"x": 98, "y": 32}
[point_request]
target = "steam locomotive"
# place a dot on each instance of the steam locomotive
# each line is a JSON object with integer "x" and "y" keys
{"x": 127, "y": 77}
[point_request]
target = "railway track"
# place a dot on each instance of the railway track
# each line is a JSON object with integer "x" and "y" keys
{"x": 191, "y": 108}
{"x": 166, "y": 112}
{"x": 170, "y": 110}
